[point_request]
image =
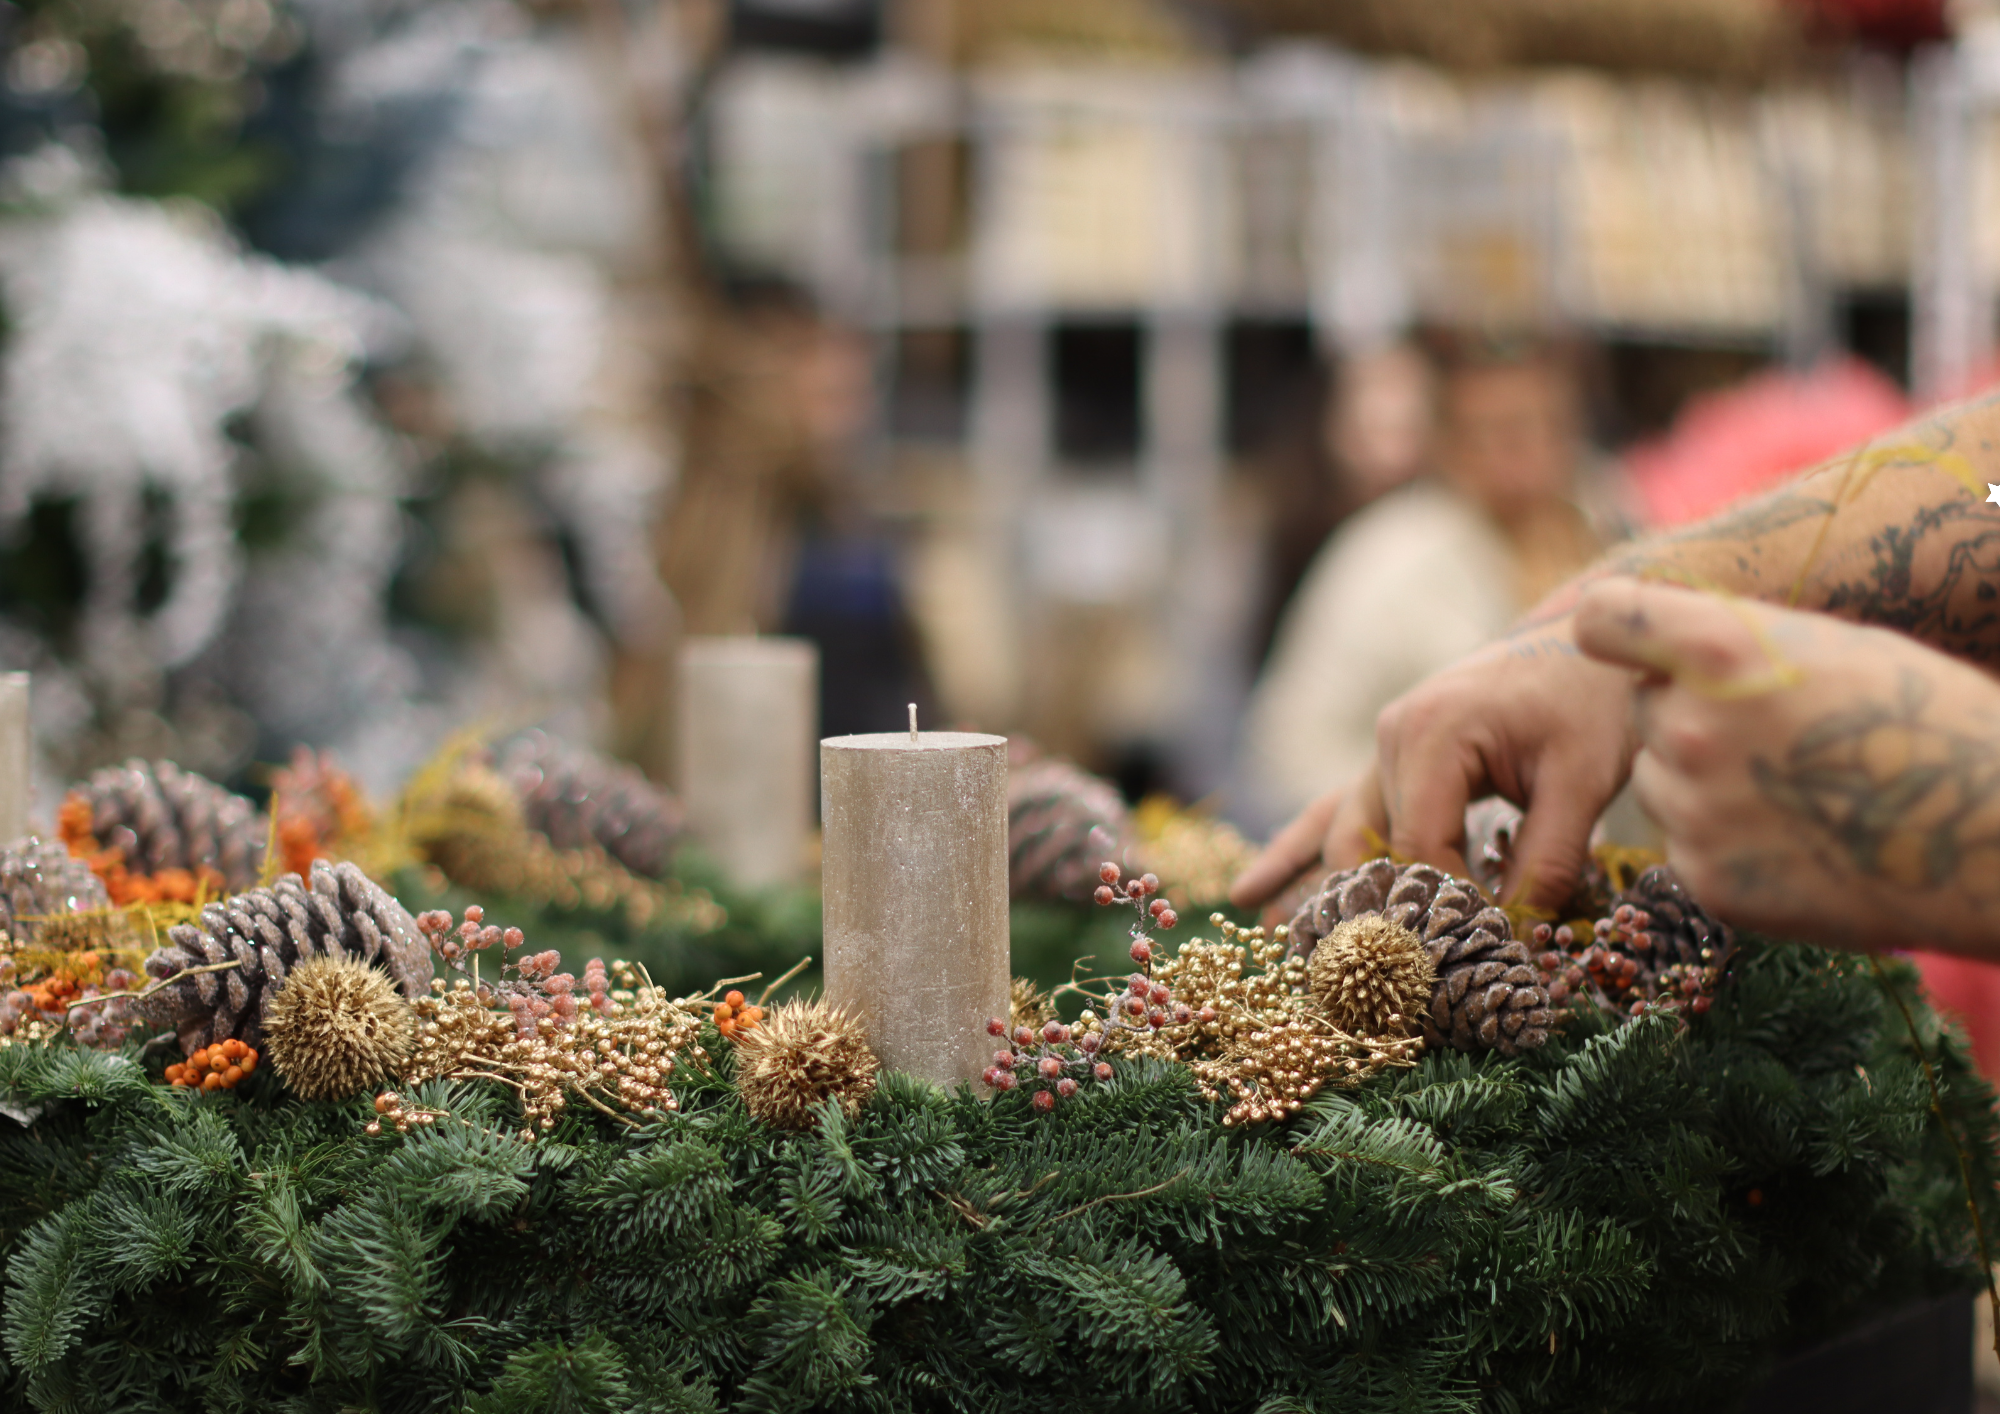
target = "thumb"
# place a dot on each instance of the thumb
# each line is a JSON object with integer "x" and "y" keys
{"x": 1674, "y": 633}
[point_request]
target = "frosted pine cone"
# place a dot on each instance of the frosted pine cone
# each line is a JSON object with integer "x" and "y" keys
{"x": 39, "y": 878}
{"x": 1062, "y": 824}
{"x": 269, "y": 931}
{"x": 159, "y": 817}
{"x": 579, "y": 798}
{"x": 1488, "y": 996}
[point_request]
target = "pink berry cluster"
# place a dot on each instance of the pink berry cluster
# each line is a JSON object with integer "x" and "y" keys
{"x": 1623, "y": 966}
{"x": 536, "y": 989}
{"x": 1053, "y": 1060}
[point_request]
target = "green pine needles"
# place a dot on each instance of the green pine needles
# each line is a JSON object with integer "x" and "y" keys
{"x": 1634, "y": 1217}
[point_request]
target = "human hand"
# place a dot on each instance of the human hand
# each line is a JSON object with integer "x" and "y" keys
{"x": 1528, "y": 718}
{"x": 1814, "y": 779}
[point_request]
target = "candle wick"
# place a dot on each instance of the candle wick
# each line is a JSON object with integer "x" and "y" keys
{"x": 913, "y": 721}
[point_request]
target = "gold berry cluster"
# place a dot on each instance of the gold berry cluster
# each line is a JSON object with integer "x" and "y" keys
{"x": 1252, "y": 1032}
{"x": 390, "y": 1110}
{"x": 617, "y": 1058}
{"x": 1196, "y": 855}
{"x": 222, "y": 1066}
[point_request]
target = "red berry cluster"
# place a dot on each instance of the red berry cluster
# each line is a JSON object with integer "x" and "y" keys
{"x": 1623, "y": 967}
{"x": 1136, "y": 892}
{"x": 1054, "y": 1060}
{"x": 1050, "y": 1061}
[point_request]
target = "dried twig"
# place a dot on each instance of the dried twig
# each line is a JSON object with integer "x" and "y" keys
{"x": 148, "y": 991}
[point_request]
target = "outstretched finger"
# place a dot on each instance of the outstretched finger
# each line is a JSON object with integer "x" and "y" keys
{"x": 1552, "y": 849}
{"x": 1360, "y": 828}
{"x": 1690, "y": 637}
{"x": 1426, "y": 811}
{"x": 1292, "y": 851}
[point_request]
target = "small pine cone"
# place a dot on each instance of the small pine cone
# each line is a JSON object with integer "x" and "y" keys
{"x": 798, "y": 1056}
{"x": 268, "y": 932}
{"x": 1062, "y": 824}
{"x": 338, "y": 1027}
{"x": 579, "y": 798}
{"x": 1683, "y": 931}
{"x": 158, "y": 816}
{"x": 1372, "y": 977}
{"x": 40, "y": 878}
{"x": 1487, "y": 994}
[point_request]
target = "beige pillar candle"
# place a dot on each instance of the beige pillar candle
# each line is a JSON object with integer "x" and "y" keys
{"x": 914, "y": 864}
{"x": 16, "y": 756}
{"x": 749, "y": 715}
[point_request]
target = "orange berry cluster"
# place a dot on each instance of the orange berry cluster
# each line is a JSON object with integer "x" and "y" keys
{"x": 731, "y": 1015}
{"x": 73, "y": 826}
{"x": 218, "y": 1067}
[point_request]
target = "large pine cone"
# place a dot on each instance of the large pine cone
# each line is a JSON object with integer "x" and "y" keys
{"x": 267, "y": 932}
{"x": 579, "y": 798}
{"x": 160, "y": 817}
{"x": 1488, "y": 995}
{"x": 39, "y": 878}
{"x": 1062, "y": 824}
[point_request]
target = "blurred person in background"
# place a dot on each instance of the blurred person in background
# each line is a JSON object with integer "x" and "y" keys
{"x": 1354, "y": 436}
{"x": 770, "y": 531}
{"x": 1430, "y": 571}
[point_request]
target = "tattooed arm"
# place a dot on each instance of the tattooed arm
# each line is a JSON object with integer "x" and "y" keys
{"x": 1815, "y": 779}
{"x": 1897, "y": 533}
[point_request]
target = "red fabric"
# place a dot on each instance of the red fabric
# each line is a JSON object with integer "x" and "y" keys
{"x": 1897, "y": 24}
{"x": 1727, "y": 444}
{"x": 1971, "y": 991}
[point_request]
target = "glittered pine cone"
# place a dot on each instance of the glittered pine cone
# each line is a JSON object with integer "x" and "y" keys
{"x": 1487, "y": 996}
{"x": 1062, "y": 824}
{"x": 159, "y": 817}
{"x": 269, "y": 931}
{"x": 579, "y": 798}
{"x": 40, "y": 879}
{"x": 798, "y": 1056}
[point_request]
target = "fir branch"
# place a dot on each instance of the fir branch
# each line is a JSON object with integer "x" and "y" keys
{"x": 1958, "y": 1150}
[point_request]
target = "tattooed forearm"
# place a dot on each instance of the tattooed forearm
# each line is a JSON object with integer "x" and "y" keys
{"x": 1955, "y": 607}
{"x": 1893, "y": 794}
{"x": 1734, "y": 533}
{"x": 1749, "y": 521}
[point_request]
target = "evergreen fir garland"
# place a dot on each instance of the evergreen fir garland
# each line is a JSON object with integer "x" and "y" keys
{"x": 1635, "y": 1216}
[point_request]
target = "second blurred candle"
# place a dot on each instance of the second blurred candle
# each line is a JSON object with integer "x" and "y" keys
{"x": 748, "y": 752}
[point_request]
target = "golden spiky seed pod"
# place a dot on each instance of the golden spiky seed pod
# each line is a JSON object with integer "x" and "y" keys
{"x": 1028, "y": 1005}
{"x": 337, "y": 1027}
{"x": 1373, "y": 977}
{"x": 798, "y": 1056}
